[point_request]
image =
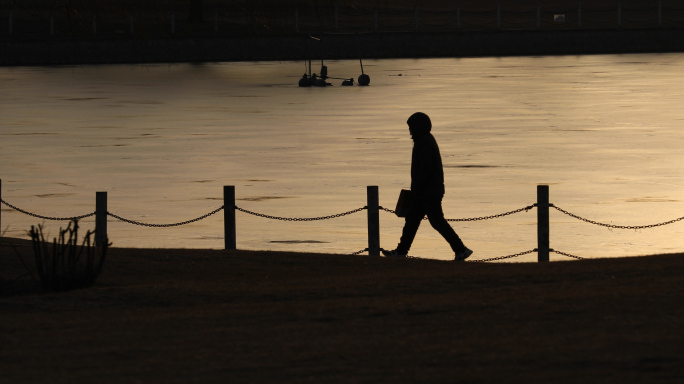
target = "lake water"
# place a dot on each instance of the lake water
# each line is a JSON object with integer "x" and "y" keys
{"x": 604, "y": 131}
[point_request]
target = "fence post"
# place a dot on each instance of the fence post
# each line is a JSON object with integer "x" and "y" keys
{"x": 619, "y": 14}
{"x": 373, "y": 221}
{"x": 458, "y": 17}
{"x": 579, "y": 15}
{"x": 498, "y": 16}
{"x": 100, "y": 219}
{"x": 254, "y": 20}
{"x": 229, "y": 216}
{"x": 660, "y": 13}
{"x": 542, "y": 223}
{"x": 416, "y": 17}
{"x": 538, "y": 15}
{"x": 375, "y": 20}
{"x": 336, "y": 15}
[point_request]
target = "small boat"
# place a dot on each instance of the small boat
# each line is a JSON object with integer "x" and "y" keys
{"x": 320, "y": 80}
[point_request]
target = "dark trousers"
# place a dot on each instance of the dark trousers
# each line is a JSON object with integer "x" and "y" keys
{"x": 432, "y": 207}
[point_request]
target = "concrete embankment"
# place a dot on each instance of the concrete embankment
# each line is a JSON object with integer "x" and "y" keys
{"x": 342, "y": 46}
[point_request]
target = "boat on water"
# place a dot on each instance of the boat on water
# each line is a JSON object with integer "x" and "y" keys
{"x": 310, "y": 79}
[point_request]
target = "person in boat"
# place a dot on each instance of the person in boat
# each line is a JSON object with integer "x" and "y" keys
{"x": 427, "y": 190}
{"x": 305, "y": 81}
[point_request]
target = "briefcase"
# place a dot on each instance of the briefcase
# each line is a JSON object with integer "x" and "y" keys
{"x": 404, "y": 203}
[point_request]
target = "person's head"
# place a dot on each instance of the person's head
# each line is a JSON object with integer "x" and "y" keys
{"x": 419, "y": 124}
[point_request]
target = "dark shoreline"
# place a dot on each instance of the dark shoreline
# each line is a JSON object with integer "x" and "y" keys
{"x": 26, "y": 52}
{"x": 213, "y": 316}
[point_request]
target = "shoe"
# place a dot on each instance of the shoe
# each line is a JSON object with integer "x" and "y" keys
{"x": 393, "y": 253}
{"x": 464, "y": 254}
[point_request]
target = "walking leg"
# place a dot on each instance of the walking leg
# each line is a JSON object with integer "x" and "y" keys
{"x": 435, "y": 215}
{"x": 413, "y": 219}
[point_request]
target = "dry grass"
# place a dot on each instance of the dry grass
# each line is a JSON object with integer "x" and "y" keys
{"x": 225, "y": 317}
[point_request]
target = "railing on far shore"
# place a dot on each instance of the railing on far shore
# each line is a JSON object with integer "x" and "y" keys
{"x": 120, "y": 21}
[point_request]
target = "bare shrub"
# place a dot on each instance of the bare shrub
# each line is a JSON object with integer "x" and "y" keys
{"x": 64, "y": 264}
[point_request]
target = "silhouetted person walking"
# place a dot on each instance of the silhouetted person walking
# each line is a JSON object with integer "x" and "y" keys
{"x": 427, "y": 189}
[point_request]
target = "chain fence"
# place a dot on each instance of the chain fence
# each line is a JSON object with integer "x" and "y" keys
{"x": 503, "y": 257}
{"x": 471, "y": 261}
{"x": 524, "y": 209}
{"x": 333, "y": 216}
{"x": 492, "y": 258}
{"x": 481, "y": 218}
{"x": 301, "y": 218}
{"x": 613, "y": 225}
{"x": 566, "y": 254}
{"x": 166, "y": 225}
{"x": 47, "y": 217}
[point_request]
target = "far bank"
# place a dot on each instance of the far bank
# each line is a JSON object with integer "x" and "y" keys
{"x": 338, "y": 46}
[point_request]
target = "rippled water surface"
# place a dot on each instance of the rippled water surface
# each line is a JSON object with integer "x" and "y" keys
{"x": 605, "y": 132}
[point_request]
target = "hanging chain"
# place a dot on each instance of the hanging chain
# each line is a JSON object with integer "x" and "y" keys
{"x": 525, "y": 209}
{"x": 165, "y": 225}
{"x": 479, "y": 218}
{"x": 496, "y": 216}
{"x": 493, "y": 258}
{"x": 299, "y": 218}
{"x": 47, "y": 217}
{"x": 566, "y": 254}
{"x": 471, "y": 261}
{"x": 616, "y": 226}
{"x": 503, "y": 257}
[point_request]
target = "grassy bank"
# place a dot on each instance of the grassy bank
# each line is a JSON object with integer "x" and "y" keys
{"x": 217, "y": 316}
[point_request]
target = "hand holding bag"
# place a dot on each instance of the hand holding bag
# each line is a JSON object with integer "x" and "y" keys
{"x": 404, "y": 203}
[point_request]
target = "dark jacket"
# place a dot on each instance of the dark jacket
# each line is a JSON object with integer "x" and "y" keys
{"x": 427, "y": 175}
